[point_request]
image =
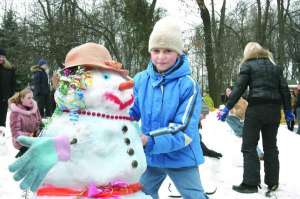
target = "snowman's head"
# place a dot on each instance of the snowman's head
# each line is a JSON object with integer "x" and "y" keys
{"x": 109, "y": 92}
{"x": 93, "y": 81}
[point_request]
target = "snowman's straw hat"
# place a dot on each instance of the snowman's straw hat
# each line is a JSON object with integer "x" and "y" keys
{"x": 93, "y": 55}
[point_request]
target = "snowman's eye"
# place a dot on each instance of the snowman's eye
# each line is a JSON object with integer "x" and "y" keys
{"x": 106, "y": 76}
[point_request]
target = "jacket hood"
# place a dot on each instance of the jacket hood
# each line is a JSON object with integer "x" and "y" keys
{"x": 7, "y": 64}
{"x": 179, "y": 69}
{"x": 35, "y": 68}
{"x": 21, "y": 109}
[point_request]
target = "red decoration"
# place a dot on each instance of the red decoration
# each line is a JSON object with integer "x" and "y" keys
{"x": 108, "y": 191}
{"x": 103, "y": 115}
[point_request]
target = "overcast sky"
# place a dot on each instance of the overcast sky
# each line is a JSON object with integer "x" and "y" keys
{"x": 187, "y": 18}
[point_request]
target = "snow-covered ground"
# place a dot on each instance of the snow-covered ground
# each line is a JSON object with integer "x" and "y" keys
{"x": 228, "y": 170}
{"x": 221, "y": 173}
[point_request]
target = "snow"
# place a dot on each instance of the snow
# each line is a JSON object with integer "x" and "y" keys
{"x": 222, "y": 173}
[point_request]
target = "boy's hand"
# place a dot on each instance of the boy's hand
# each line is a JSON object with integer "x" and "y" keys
{"x": 144, "y": 139}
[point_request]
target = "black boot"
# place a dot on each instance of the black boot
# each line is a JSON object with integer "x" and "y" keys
{"x": 244, "y": 188}
{"x": 271, "y": 188}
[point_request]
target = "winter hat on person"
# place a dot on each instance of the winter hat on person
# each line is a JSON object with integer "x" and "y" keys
{"x": 166, "y": 33}
{"x": 2, "y": 52}
{"x": 42, "y": 62}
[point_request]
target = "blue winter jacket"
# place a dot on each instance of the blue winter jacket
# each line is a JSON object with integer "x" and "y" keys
{"x": 169, "y": 107}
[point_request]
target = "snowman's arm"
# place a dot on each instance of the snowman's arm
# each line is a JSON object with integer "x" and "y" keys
{"x": 42, "y": 155}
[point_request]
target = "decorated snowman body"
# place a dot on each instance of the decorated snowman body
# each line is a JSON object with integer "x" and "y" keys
{"x": 107, "y": 157}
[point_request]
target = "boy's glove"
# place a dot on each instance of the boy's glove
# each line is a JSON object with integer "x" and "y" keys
{"x": 42, "y": 155}
{"x": 222, "y": 114}
{"x": 289, "y": 117}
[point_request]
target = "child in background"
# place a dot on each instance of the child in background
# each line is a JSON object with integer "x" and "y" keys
{"x": 206, "y": 151}
{"x": 236, "y": 117}
{"x": 25, "y": 118}
{"x": 168, "y": 103}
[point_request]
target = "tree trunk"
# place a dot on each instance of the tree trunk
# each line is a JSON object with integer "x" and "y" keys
{"x": 281, "y": 23}
{"x": 264, "y": 24}
{"x": 258, "y": 34}
{"x": 211, "y": 70}
{"x": 220, "y": 49}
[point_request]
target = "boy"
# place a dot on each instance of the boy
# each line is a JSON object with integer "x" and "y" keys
{"x": 168, "y": 102}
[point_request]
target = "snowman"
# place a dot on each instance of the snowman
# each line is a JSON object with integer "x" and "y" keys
{"x": 3, "y": 148}
{"x": 101, "y": 154}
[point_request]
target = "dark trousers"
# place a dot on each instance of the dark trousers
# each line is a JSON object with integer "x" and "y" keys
{"x": 298, "y": 119}
{"x": 52, "y": 102}
{"x": 265, "y": 119}
{"x": 43, "y": 102}
{"x": 3, "y": 111}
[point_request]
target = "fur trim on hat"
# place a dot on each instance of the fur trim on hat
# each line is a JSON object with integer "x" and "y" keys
{"x": 166, "y": 34}
{"x": 35, "y": 68}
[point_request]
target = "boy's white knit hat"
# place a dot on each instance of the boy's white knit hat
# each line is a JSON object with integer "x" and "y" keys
{"x": 166, "y": 34}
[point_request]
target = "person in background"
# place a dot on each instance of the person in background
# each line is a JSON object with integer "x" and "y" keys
{"x": 54, "y": 85}
{"x": 168, "y": 103}
{"x": 268, "y": 90}
{"x": 7, "y": 84}
{"x": 206, "y": 151}
{"x": 208, "y": 101}
{"x": 293, "y": 104}
{"x": 41, "y": 87}
{"x": 25, "y": 117}
{"x": 298, "y": 107}
{"x": 236, "y": 117}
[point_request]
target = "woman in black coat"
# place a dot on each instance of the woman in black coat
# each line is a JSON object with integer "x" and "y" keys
{"x": 268, "y": 90}
{"x": 40, "y": 87}
{"x": 297, "y": 107}
{"x": 7, "y": 84}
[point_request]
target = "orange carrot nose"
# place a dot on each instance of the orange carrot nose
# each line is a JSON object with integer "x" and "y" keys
{"x": 126, "y": 85}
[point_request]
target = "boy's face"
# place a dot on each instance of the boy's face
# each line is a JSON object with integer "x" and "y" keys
{"x": 163, "y": 58}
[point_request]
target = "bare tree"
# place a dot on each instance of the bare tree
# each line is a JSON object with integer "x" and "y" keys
{"x": 209, "y": 55}
{"x": 281, "y": 17}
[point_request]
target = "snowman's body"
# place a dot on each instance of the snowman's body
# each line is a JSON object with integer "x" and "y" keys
{"x": 108, "y": 147}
